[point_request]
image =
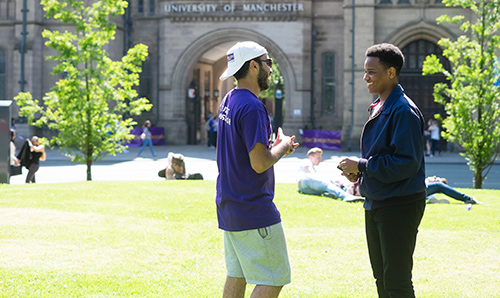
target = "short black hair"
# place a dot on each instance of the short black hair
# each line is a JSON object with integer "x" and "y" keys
{"x": 242, "y": 72}
{"x": 244, "y": 69}
{"x": 389, "y": 55}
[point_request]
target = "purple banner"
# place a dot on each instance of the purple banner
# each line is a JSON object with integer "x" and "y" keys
{"x": 157, "y": 135}
{"x": 325, "y": 139}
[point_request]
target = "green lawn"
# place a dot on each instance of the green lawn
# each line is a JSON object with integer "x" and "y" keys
{"x": 160, "y": 239}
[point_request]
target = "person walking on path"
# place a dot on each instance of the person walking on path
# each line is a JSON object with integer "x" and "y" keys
{"x": 30, "y": 156}
{"x": 435, "y": 137}
{"x": 211, "y": 128}
{"x": 254, "y": 240}
{"x": 146, "y": 138}
{"x": 15, "y": 163}
{"x": 427, "y": 136}
{"x": 392, "y": 173}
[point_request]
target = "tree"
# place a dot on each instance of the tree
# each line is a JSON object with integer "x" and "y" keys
{"x": 86, "y": 104}
{"x": 471, "y": 99}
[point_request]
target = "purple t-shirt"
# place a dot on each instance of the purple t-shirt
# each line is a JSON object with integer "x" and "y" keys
{"x": 244, "y": 198}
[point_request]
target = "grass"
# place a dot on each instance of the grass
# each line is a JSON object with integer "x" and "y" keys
{"x": 160, "y": 239}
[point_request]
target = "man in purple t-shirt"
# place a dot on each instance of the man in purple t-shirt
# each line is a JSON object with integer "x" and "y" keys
{"x": 254, "y": 242}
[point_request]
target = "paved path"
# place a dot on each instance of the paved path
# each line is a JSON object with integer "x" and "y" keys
{"x": 200, "y": 159}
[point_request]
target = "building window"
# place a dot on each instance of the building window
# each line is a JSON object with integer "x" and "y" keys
{"x": 2, "y": 74}
{"x": 151, "y": 6}
{"x": 328, "y": 83}
{"x": 145, "y": 81}
{"x": 140, "y": 6}
{"x": 416, "y": 52}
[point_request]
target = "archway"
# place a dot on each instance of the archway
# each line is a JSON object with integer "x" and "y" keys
{"x": 417, "y": 41}
{"x": 420, "y": 88}
{"x": 215, "y": 44}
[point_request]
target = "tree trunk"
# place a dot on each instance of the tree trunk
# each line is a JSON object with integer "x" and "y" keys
{"x": 478, "y": 181}
{"x": 88, "y": 126}
{"x": 89, "y": 170}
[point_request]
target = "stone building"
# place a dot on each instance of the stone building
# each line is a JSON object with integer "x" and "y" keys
{"x": 319, "y": 46}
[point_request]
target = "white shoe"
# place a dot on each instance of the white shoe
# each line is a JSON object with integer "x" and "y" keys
{"x": 473, "y": 200}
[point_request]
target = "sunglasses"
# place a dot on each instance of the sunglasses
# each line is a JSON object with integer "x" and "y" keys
{"x": 269, "y": 62}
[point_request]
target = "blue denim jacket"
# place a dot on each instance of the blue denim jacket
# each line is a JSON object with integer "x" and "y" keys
{"x": 392, "y": 154}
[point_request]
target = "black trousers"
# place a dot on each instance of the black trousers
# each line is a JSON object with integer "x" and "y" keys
{"x": 391, "y": 234}
{"x": 31, "y": 174}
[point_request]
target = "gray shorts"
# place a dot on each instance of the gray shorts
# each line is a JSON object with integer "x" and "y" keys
{"x": 260, "y": 256}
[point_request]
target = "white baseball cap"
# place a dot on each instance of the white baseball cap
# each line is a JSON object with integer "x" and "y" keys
{"x": 240, "y": 53}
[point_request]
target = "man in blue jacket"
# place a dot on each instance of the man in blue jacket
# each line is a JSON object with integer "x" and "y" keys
{"x": 391, "y": 172}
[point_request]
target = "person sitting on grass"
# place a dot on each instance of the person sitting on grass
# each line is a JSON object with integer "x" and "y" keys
{"x": 436, "y": 184}
{"x": 310, "y": 182}
{"x": 176, "y": 168}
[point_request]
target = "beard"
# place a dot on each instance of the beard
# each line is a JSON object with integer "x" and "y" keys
{"x": 263, "y": 79}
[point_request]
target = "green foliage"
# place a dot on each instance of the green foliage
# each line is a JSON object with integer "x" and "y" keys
{"x": 471, "y": 100}
{"x": 86, "y": 103}
{"x": 154, "y": 239}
